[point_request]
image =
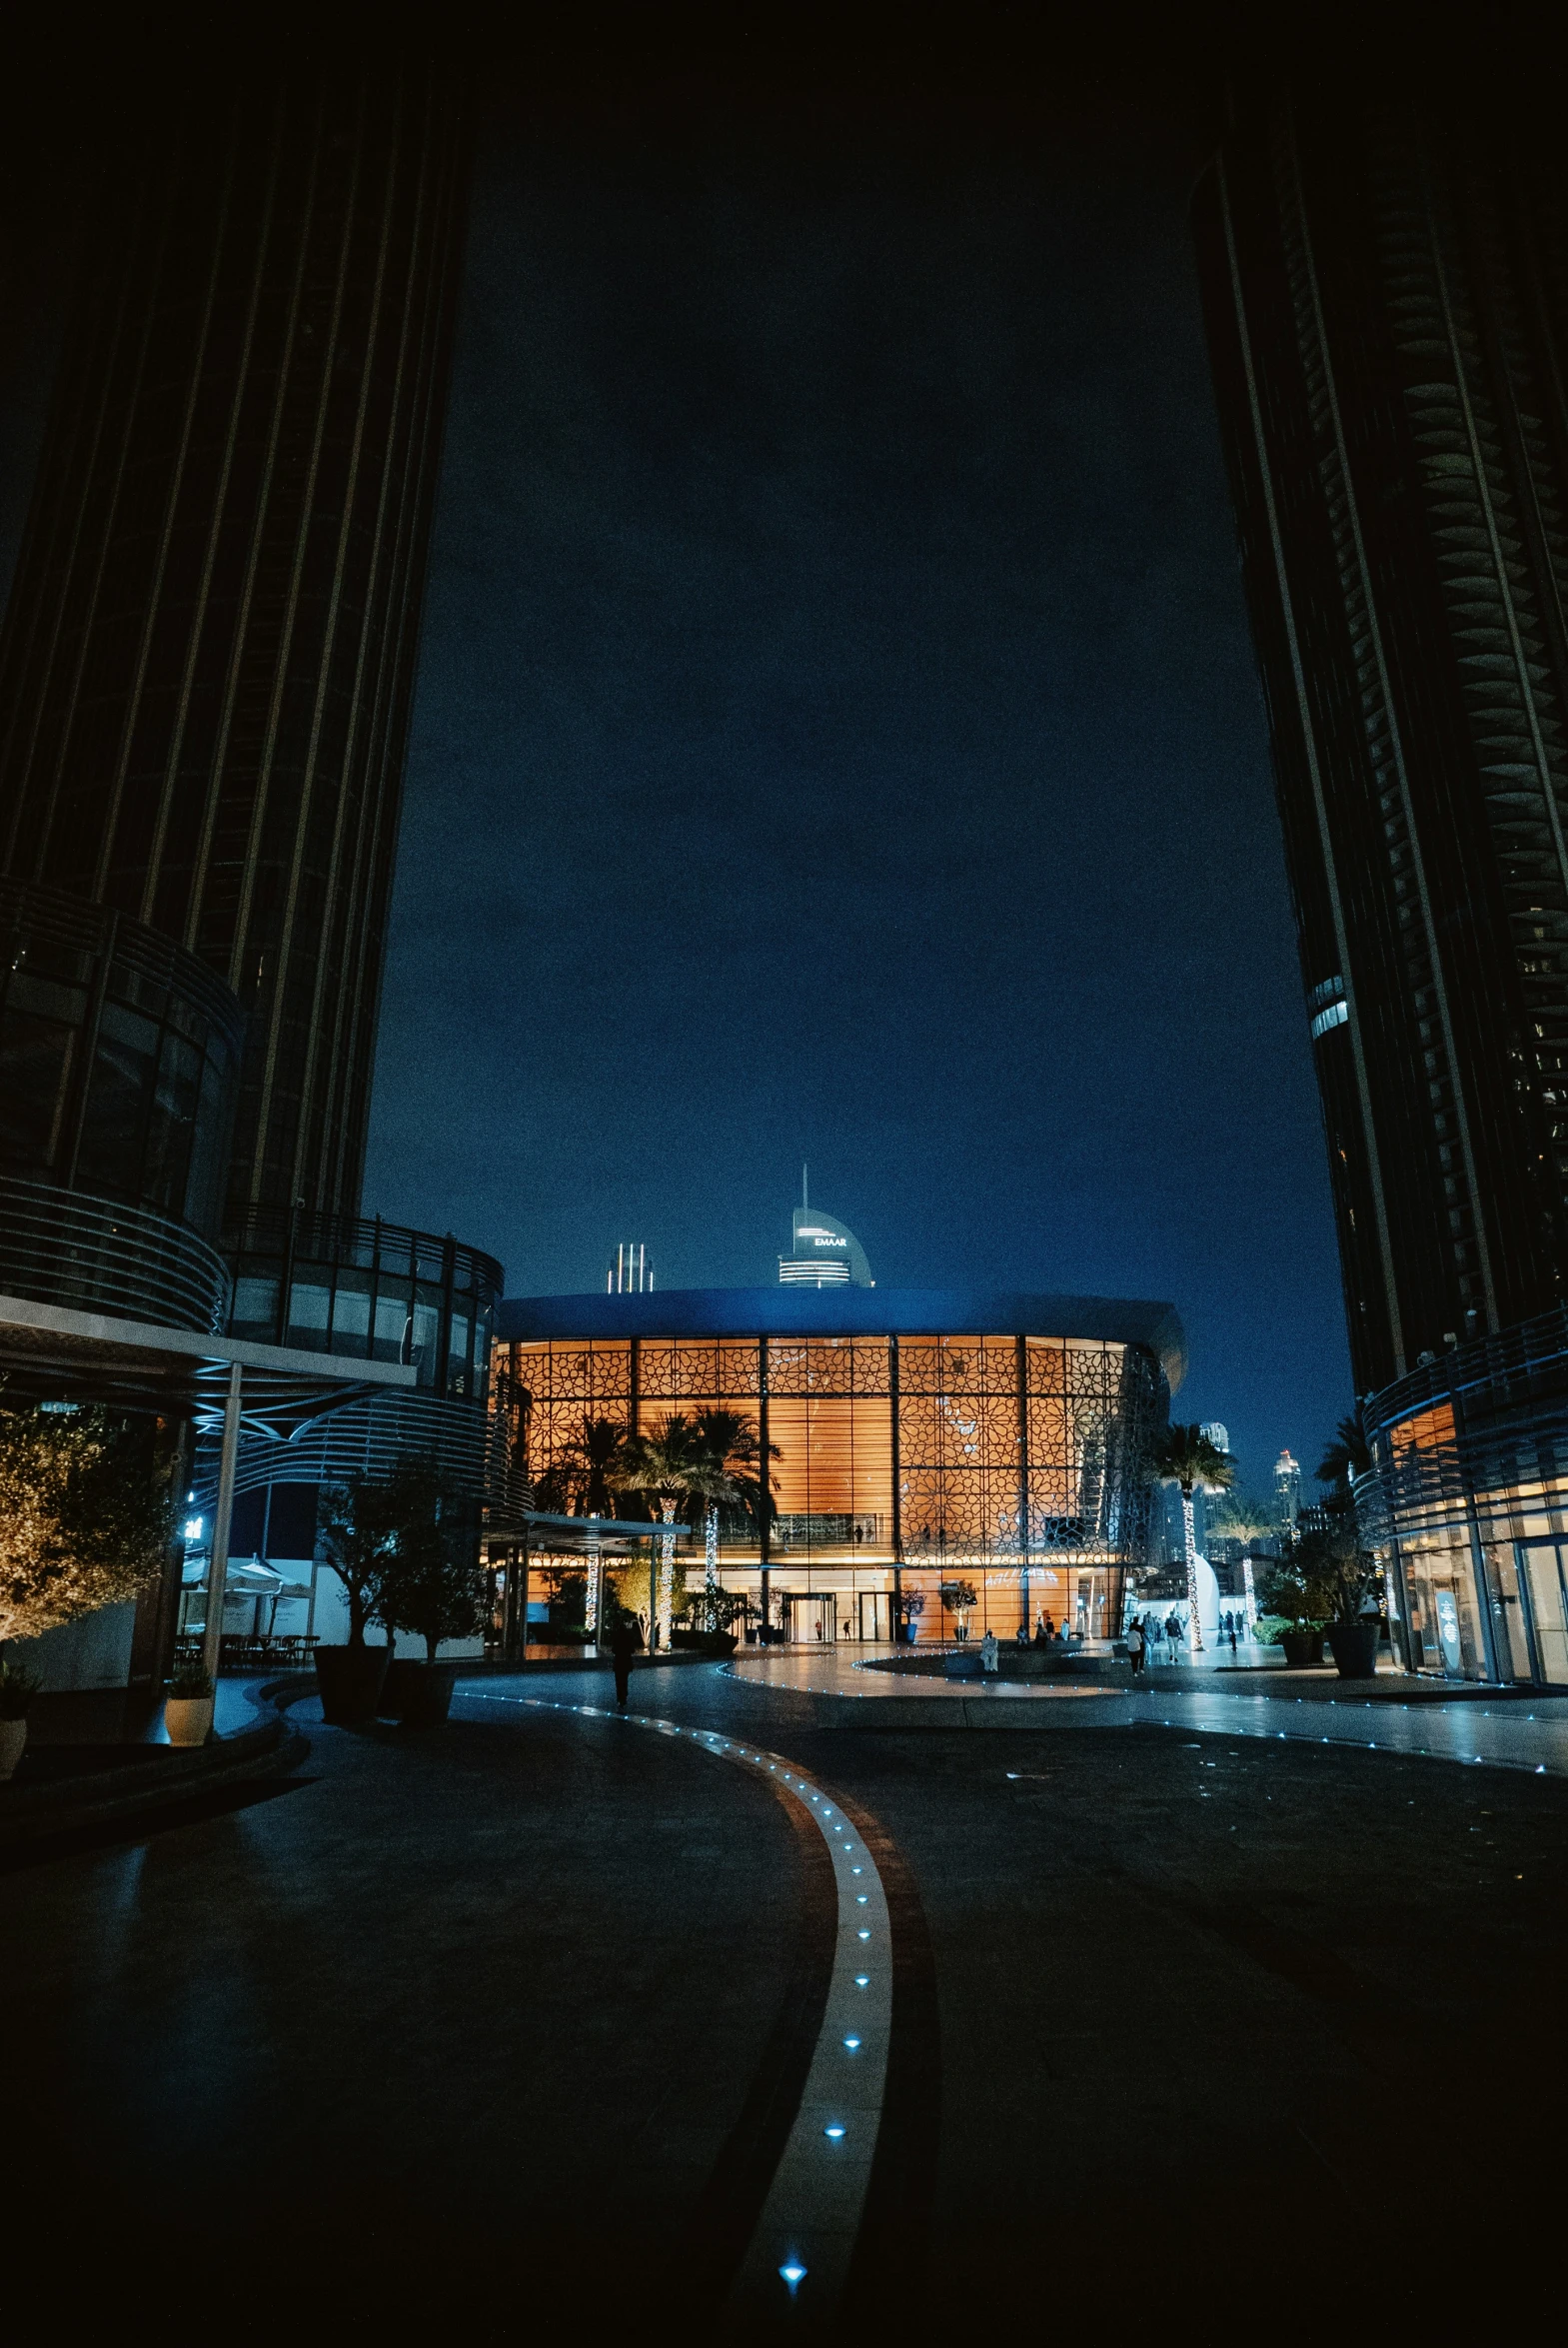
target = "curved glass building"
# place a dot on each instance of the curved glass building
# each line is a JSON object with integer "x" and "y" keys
{"x": 119, "y": 1062}
{"x": 925, "y": 1438}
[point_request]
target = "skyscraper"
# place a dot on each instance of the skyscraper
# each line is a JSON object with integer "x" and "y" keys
{"x": 1386, "y": 289}
{"x": 207, "y": 664}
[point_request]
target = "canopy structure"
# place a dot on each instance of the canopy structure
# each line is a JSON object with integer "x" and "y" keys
{"x": 606, "y": 1535}
{"x": 52, "y": 1353}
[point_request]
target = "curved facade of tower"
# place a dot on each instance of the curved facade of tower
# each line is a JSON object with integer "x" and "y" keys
{"x": 207, "y": 664}
{"x": 1386, "y": 289}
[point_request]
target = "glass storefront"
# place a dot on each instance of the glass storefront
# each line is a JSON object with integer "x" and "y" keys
{"x": 1467, "y": 1507}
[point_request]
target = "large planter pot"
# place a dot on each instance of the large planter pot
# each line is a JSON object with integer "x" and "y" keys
{"x": 1303, "y": 1650}
{"x": 13, "y": 1736}
{"x": 418, "y": 1695}
{"x": 350, "y": 1680}
{"x": 1353, "y": 1646}
{"x": 188, "y": 1719}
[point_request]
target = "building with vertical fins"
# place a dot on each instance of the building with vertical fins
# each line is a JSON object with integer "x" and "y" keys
{"x": 207, "y": 665}
{"x": 1386, "y": 295}
{"x": 206, "y": 670}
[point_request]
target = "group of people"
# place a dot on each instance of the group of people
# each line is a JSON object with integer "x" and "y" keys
{"x": 1148, "y": 1639}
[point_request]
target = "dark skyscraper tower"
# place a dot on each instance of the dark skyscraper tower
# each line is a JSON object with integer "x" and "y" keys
{"x": 1386, "y": 290}
{"x": 208, "y": 658}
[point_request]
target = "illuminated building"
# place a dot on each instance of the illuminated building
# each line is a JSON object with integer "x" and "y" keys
{"x": 925, "y": 1439}
{"x": 1386, "y": 290}
{"x": 631, "y": 1272}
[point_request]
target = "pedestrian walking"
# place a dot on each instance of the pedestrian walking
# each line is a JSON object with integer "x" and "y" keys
{"x": 625, "y": 1640}
{"x": 1230, "y": 1634}
{"x": 1174, "y": 1631}
{"x": 1135, "y": 1645}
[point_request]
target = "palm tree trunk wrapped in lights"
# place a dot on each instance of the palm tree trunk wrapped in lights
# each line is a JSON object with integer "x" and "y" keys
{"x": 664, "y": 1604}
{"x": 591, "y": 1606}
{"x": 1185, "y": 1457}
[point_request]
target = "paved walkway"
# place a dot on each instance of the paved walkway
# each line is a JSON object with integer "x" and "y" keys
{"x": 536, "y": 2024}
{"x": 1506, "y": 1731}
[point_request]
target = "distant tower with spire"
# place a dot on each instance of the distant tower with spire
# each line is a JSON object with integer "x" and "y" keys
{"x": 825, "y": 1254}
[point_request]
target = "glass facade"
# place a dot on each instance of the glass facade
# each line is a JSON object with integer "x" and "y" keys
{"x": 368, "y": 1289}
{"x": 1466, "y": 1506}
{"x": 1386, "y": 291}
{"x": 119, "y": 1058}
{"x": 906, "y": 1464}
{"x": 207, "y": 661}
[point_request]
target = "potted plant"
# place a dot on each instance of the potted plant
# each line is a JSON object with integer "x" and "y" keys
{"x": 187, "y": 1708}
{"x": 17, "y": 1691}
{"x": 709, "y": 1614}
{"x": 429, "y": 1584}
{"x": 356, "y": 1537}
{"x": 958, "y": 1597}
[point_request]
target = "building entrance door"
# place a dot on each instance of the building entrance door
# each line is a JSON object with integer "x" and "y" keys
{"x": 1543, "y": 1587}
{"x": 876, "y": 1614}
{"x": 814, "y": 1620}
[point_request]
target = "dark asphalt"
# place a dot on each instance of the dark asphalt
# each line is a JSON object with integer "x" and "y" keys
{"x": 485, "y": 2028}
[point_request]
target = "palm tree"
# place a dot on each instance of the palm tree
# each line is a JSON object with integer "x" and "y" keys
{"x": 662, "y": 1465}
{"x": 732, "y": 1472}
{"x": 1185, "y": 1456}
{"x": 598, "y": 1461}
{"x": 1348, "y": 1456}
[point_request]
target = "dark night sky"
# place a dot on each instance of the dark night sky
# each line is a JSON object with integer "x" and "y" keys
{"x": 836, "y": 734}
{"x": 838, "y": 738}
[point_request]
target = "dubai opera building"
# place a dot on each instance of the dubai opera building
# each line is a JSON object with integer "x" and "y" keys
{"x": 922, "y": 1438}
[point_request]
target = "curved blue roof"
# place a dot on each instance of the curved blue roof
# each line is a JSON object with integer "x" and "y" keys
{"x": 849, "y": 1312}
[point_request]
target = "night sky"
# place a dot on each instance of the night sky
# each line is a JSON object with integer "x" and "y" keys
{"x": 837, "y": 737}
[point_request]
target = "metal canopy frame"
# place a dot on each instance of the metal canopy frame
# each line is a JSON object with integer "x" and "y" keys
{"x": 50, "y": 1352}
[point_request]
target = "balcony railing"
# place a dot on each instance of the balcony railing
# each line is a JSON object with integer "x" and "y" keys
{"x": 95, "y": 1255}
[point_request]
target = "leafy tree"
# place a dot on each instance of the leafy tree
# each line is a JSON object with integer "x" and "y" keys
{"x": 1185, "y": 1457}
{"x": 86, "y": 1516}
{"x": 958, "y": 1597}
{"x": 429, "y": 1582}
{"x": 1324, "y": 1579}
{"x": 356, "y": 1535}
{"x": 1242, "y": 1515}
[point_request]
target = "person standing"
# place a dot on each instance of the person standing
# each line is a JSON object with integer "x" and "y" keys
{"x": 988, "y": 1654}
{"x": 1174, "y": 1631}
{"x": 1230, "y": 1634}
{"x": 1134, "y": 1645}
{"x": 624, "y": 1639}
